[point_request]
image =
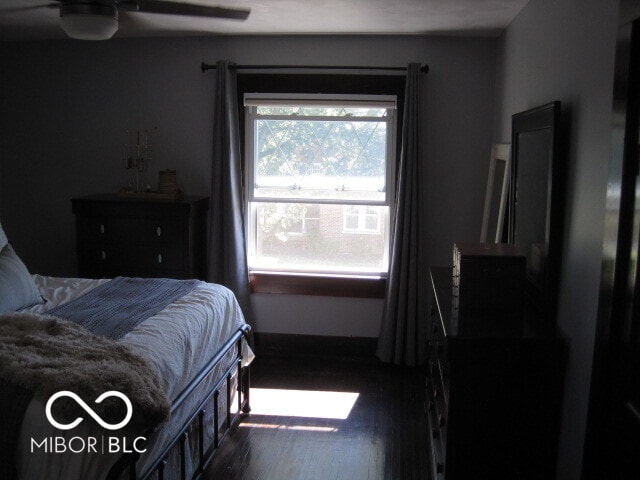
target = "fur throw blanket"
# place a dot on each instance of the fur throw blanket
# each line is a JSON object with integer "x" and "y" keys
{"x": 46, "y": 354}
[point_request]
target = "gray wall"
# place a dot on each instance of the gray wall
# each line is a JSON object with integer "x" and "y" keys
{"x": 564, "y": 50}
{"x": 67, "y": 105}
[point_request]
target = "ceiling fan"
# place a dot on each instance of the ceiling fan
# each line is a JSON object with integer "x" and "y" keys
{"x": 98, "y": 19}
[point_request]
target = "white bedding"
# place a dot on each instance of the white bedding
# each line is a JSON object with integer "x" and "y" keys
{"x": 178, "y": 341}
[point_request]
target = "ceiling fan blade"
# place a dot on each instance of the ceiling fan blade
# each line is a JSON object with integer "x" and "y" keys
{"x": 190, "y": 9}
{"x": 27, "y": 8}
{"x": 125, "y": 20}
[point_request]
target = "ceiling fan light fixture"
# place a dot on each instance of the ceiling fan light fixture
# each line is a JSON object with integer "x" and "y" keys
{"x": 89, "y": 21}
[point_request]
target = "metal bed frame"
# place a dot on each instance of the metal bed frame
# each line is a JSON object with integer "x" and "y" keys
{"x": 128, "y": 461}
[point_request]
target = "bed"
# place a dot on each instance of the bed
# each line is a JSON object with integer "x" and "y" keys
{"x": 198, "y": 345}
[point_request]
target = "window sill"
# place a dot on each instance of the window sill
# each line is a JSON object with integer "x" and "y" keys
{"x": 329, "y": 286}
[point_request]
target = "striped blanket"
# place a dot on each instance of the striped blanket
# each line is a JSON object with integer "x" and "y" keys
{"x": 114, "y": 308}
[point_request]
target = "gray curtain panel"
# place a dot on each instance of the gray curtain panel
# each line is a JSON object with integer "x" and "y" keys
{"x": 402, "y": 337}
{"x": 227, "y": 256}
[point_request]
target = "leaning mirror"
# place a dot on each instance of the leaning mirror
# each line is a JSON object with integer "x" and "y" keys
{"x": 495, "y": 199}
{"x": 535, "y": 203}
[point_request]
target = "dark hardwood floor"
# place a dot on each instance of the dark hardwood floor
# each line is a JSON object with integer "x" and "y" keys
{"x": 382, "y": 437}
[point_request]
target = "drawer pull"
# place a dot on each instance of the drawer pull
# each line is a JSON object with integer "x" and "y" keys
{"x": 159, "y": 258}
{"x": 159, "y": 231}
{"x": 102, "y": 228}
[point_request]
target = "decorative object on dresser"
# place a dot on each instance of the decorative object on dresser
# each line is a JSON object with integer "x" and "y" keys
{"x": 495, "y": 201}
{"x": 167, "y": 188}
{"x": 488, "y": 287}
{"x": 167, "y": 182}
{"x": 119, "y": 236}
{"x": 492, "y": 401}
{"x": 138, "y": 158}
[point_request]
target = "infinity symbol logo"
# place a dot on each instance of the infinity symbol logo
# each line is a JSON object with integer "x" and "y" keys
{"x": 89, "y": 410}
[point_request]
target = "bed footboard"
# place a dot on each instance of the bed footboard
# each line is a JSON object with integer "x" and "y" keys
{"x": 235, "y": 373}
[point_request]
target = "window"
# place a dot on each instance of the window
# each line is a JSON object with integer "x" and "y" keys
{"x": 320, "y": 179}
{"x": 361, "y": 219}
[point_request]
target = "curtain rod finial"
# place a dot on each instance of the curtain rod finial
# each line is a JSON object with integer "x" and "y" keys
{"x": 203, "y": 67}
{"x": 424, "y": 68}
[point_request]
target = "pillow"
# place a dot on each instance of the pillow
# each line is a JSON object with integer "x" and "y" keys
{"x": 3, "y": 238}
{"x": 17, "y": 288}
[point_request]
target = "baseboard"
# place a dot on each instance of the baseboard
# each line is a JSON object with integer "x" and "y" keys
{"x": 289, "y": 345}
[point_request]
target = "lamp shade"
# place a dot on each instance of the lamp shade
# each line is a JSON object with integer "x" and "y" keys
{"x": 89, "y": 21}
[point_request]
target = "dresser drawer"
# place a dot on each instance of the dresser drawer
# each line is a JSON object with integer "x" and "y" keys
{"x": 103, "y": 260}
{"x": 444, "y": 386}
{"x": 128, "y": 230}
{"x": 159, "y": 259}
{"x": 438, "y": 396}
{"x": 147, "y": 231}
{"x": 92, "y": 229}
{"x": 92, "y": 261}
{"x": 112, "y": 260}
{"x": 435, "y": 444}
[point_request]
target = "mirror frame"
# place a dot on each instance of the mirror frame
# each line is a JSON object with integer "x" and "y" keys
{"x": 543, "y": 299}
{"x": 500, "y": 152}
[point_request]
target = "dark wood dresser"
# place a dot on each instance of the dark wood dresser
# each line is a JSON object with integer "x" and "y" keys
{"x": 492, "y": 400}
{"x": 120, "y": 236}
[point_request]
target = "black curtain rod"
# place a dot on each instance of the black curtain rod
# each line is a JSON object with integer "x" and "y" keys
{"x": 206, "y": 66}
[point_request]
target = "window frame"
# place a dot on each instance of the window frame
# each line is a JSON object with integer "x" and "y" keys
{"x": 278, "y": 82}
{"x": 253, "y": 101}
{"x": 389, "y": 102}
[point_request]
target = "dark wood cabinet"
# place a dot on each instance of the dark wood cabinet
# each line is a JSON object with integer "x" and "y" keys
{"x": 119, "y": 236}
{"x": 492, "y": 400}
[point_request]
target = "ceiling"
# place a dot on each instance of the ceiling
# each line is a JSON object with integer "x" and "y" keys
{"x": 284, "y": 17}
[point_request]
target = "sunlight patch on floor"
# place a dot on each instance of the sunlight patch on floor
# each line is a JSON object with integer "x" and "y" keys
{"x": 302, "y": 428}
{"x": 302, "y": 403}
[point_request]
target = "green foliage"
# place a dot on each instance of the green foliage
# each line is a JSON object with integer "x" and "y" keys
{"x": 299, "y": 148}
